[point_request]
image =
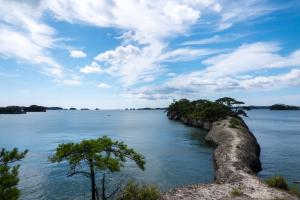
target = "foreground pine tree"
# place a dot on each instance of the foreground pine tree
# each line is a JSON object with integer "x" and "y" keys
{"x": 9, "y": 173}
{"x": 100, "y": 154}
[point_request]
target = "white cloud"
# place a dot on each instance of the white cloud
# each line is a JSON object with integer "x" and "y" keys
{"x": 93, "y": 68}
{"x": 146, "y": 25}
{"x": 270, "y": 82}
{"x": 147, "y": 28}
{"x": 133, "y": 64}
{"x": 181, "y": 13}
{"x": 148, "y": 20}
{"x": 119, "y": 54}
{"x": 187, "y": 54}
{"x": 230, "y": 71}
{"x": 24, "y": 37}
{"x": 244, "y": 10}
{"x": 77, "y": 54}
{"x": 73, "y": 80}
{"x": 104, "y": 85}
{"x": 216, "y": 39}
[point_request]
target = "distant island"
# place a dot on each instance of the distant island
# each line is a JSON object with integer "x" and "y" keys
{"x": 283, "y": 107}
{"x": 25, "y": 109}
{"x": 54, "y": 108}
{"x": 273, "y": 107}
{"x": 146, "y": 108}
{"x": 21, "y": 109}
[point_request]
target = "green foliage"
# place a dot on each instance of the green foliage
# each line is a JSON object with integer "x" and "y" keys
{"x": 234, "y": 105}
{"x": 236, "y": 192}
{"x": 204, "y": 109}
{"x": 277, "y": 182}
{"x": 180, "y": 108}
{"x": 235, "y": 122}
{"x": 294, "y": 189}
{"x": 100, "y": 154}
{"x": 9, "y": 173}
{"x": 135, "y": 191}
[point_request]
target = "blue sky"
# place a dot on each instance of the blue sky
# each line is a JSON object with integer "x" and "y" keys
{"x": 137, "y": 53}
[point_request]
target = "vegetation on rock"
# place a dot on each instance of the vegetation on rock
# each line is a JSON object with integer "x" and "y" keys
{"x": 235, "y": 123}
{"x": 9, "y": 173}
{"x": 135, "y": 191}
{"x": 277, "y": 182}
{"x": 236, "y": 192}
{"x": 205, "y": 110}
{"x": 100, "y": 154}
{"x": 281, "y": 183}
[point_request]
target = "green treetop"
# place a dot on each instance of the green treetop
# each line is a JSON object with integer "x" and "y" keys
{"x": 9, "y": 173}
{"x": 100, "y": 154}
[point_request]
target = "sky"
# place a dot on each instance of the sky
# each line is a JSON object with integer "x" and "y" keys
{"x": 113, "y": 54}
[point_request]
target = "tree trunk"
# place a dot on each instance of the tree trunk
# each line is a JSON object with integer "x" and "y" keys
{"x": 93, "y": 182}
{"x": 103, "y": 187}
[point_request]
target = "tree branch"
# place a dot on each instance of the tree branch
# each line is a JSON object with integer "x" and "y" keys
{"x": 79, "y": 172}
{"x": 114, "y": 192}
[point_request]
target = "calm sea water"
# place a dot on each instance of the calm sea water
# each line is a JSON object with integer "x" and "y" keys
{"x": 278, "y": 133}
{"x": 175, "y": 154}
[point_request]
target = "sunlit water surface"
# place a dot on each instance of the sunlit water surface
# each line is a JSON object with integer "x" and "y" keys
{"x": 278, "y": 133}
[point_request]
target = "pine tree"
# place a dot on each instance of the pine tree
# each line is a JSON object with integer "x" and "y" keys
{"x": 9, "y": 173}
{"x": 100, "y": 154}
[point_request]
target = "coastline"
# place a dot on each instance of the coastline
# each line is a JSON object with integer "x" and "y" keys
{"x": 236, "y": 161}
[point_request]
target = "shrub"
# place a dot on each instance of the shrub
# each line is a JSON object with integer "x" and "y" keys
{"x": 136, "y": 191}
{"x": 235, "y": 122}
{"x": 277, "y": 182}
{"x": 236, "y": 192}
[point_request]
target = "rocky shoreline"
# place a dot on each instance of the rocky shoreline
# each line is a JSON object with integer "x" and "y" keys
{"x": 236, "y": 161}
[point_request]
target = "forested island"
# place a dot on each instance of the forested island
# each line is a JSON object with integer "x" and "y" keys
{"x": 283, "y": 107}
{"x": 22, "y": 109}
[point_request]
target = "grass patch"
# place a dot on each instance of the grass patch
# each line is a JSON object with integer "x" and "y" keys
{"x": 294, "y": 189}
{"x": 136, "y": 191}
{"x": 278, "y": 182}
{"x": 235, "y": 122}
{"x": 236, "y": 192}
{"x": 281, "y": 183}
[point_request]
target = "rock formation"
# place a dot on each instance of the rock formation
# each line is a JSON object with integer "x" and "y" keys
{"x": 236, "y": 161}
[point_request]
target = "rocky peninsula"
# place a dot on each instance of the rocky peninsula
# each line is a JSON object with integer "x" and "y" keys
{"x": 236, "y": 157}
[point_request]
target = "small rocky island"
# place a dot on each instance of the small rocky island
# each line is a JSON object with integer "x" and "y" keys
{"x": 236, "y": 157}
